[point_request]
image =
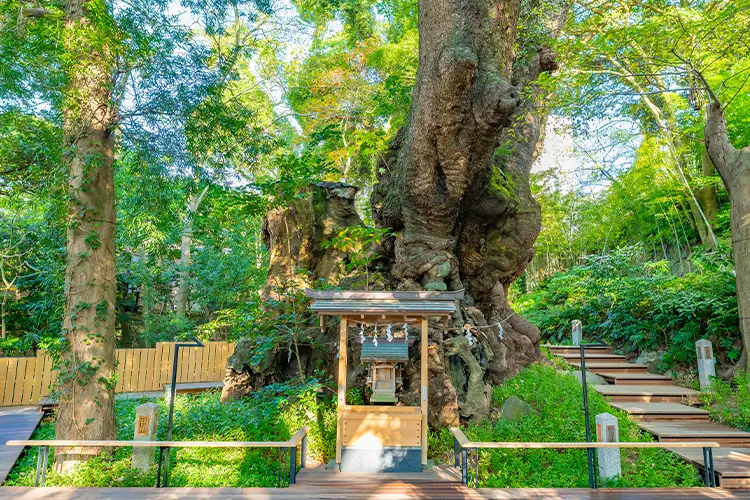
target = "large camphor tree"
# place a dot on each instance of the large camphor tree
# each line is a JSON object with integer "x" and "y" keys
{"x": 86, "y": 370}
{"x": 454, "y": 191}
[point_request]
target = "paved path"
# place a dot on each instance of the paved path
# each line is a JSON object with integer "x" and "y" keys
{"x": 16, "y": 422}
{"x": 668, "y": 412}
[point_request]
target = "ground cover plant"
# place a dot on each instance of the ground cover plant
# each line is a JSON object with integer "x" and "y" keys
{"x": 729, "y": 402}
{"x": 556, "y": 397}
{"x": 273, "y": 413}
{"x": 277, "y": 411}
{"x": 641, "y": 305}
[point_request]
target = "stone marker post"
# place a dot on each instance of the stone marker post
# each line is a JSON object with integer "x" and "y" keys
{"x": 577, "y": 332}
{"x": 706, "y": 362}
{"x": 608, "y": 431}
{"x": 146, "y": 422}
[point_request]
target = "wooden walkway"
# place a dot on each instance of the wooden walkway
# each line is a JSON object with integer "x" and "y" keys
{"x": 387, "y": 490}
{"x": 16, "y": 422}
{"x": 669, "y": 412}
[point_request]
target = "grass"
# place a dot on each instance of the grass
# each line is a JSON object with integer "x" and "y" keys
{"x": 556, "y": 397}
{"x": 276, "y": 412}
{"x": 729, "y": 402}
{"x": 271, "y": 414}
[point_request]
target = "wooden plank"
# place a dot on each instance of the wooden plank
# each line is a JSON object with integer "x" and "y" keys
{"x": 166, "y": 363}
{"x": 49, "y": 377}
{"x": 155, "y": 384}
{"x": 143, "y": 370}
{"x": 182, "y": 365}
{"x": 425, "y": 341}
{"x": 28, "y": 382}
{"x": 227, "y": 350}
{"x": 583, "y": 445}
{"x": 217, "y": 360}
{"x": 211, "y": 364}
{"x": 135, "y": 370}
{"x": 343, "y": 354}
{"x": 120, "y": 356}
{"x": 659, "y": 408}
{"x": 129, "y": 365}
{"x": 4, "y": 362}
{"x": 15, "y": 422}
{"x": 205, "y": 375}
{"x": 415, "y": 410}
{"x": 150, "y": 368}
{"x": 36, "y": 390}
{"x": 193, "y": 364}
{"x": 149, "y": 444}
{"x": 20, "y": 376}
{"x": 10, "y": 381}
{"x": 693, "y": 430}
{"x": 376, "y": 430}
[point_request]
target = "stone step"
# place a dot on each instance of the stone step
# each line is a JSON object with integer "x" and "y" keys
{"x": 697, "y": 431}
{"x": 593, "y": 357}
{"x": 662, "y": 412}
{"x": 649, "y": 393}
{"x": 637, "y": 379}
{"x": 571, "y": 349}
{"x": 606, "y": 367}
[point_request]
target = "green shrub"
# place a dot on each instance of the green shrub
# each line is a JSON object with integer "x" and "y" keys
{"x": 641, "y": 306}
{"x": 729, "y": 403}
{"x": 557, "y": 399}
{"x": 273, "y": 413}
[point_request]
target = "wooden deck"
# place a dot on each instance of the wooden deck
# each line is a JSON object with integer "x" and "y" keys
{"x": 16, "y": 422}
{"x": 388, "y": 490}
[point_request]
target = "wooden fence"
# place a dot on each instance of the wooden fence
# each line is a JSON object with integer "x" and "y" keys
{"x": 25, "y": 381}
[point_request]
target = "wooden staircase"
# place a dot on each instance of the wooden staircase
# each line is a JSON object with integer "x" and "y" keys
{"x": 667, "y": 411}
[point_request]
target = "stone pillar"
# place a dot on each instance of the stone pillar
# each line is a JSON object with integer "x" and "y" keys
{"x": 608, "y": 431}
{"x": 146, "y": 423}
{"x": 706, "y": 362}
{"x": 577, "y": 332}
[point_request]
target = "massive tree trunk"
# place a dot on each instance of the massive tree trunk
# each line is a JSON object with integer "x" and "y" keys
{"x": 86, "y": 370}
{"x": 454, "y": 188}
{"x": 733, "y": 166}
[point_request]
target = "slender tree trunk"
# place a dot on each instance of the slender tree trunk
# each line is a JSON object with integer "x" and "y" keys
{"x": 186, "y": 244}
{"x": 733, "y": 166}
{"x": 707, "y": 194}
{"x": 86, "y": 369}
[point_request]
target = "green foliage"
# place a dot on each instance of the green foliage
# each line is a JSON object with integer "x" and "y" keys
{"x": 557, "y": 399}
{"x": 729, "y": 402}
{"x": 358, "y": 243}
{"x": 641, "y": 306}
{"x": 271, "y": 414}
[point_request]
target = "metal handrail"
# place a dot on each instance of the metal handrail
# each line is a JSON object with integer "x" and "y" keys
{"x": 298, "y": 439}
{"x": 463, "y": 447}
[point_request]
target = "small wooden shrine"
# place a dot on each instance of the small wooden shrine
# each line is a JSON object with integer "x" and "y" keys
{"x": 383, "y": 436}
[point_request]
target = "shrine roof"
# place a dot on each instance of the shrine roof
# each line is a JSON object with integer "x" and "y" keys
{"x": 384, "y": 351}
{"x": 419, "y": 303}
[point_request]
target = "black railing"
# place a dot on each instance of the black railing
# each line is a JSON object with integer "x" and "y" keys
{"x": 465, "y": 450}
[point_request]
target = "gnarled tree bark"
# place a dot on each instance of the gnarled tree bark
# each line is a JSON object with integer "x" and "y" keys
{"x": 454, "y": 188}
